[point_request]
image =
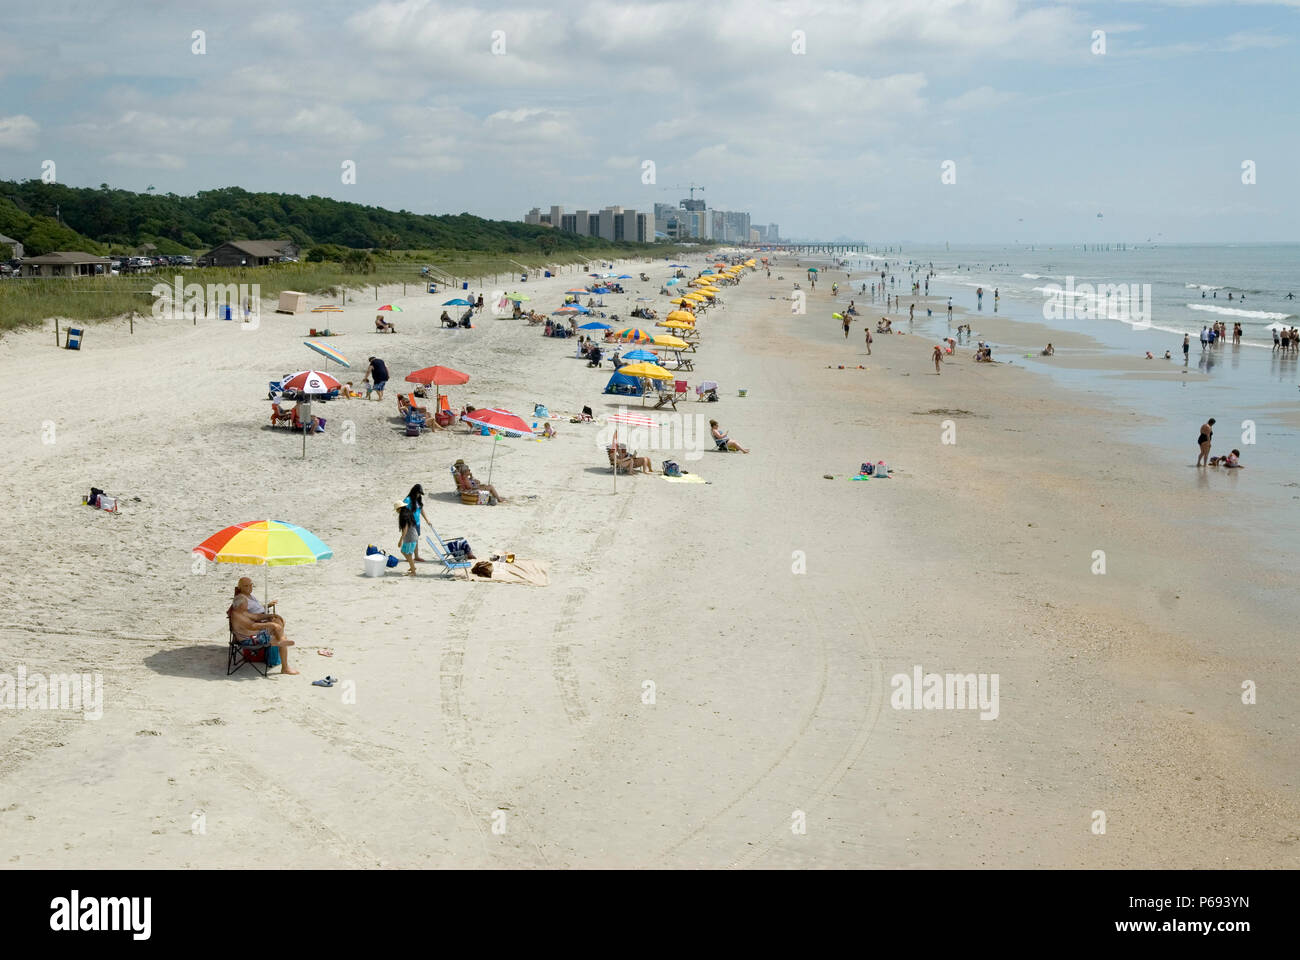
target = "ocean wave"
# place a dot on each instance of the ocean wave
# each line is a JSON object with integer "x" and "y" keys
{"x": 1233, "y": 312}
{"x": 1201, "y": 286}
{"x": 1032, "y": 276}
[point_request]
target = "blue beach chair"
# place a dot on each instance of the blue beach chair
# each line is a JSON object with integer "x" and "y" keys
{"x": 449, "y": 560}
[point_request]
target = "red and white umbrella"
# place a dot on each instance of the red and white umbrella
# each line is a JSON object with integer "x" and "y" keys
{"x": 311, "y": 381}
{"x": 498, "y": 421}
{"x": 632, "y": 420}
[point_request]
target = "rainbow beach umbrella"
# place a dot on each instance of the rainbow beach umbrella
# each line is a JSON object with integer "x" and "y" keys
{"x": 268, "y": 543}
{"x": 325, "y": 350}
{"x": 389, "y": 306}
{"x": 634, "y": 335}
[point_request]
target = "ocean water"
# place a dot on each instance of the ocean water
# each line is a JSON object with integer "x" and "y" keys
{"x": 1251, "y": 391}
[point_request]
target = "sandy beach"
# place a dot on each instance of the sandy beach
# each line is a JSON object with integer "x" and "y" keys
{"x": 769, "y": 609}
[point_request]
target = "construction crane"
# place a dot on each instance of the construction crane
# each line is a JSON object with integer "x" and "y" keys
{"x": 681, "y": 186}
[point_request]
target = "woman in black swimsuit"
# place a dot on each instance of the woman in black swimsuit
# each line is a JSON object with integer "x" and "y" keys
{"x": 1203, "y": 441}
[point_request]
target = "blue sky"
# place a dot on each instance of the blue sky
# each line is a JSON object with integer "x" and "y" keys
{"x": 846, "y": 139}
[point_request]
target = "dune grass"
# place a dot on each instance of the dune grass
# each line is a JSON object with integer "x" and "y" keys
{"x": 30, "y": 302}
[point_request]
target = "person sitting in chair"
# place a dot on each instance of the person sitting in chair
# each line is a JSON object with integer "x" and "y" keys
{"x": 465, "y": 481}
{"x": 629, "y": 462}
{"x": 618, "y": 360}
{"x": 724, "y": 442}
{"x": 446, "y": 319}
{"x": 249, "y": 626}
{"x": 383, "y": 326}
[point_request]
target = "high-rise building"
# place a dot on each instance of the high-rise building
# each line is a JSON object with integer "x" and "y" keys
{"x": 607, "y": 222}
{"x": 533, "y": 216}
{"x": 569, "y": 222}
{"x": 773, "y": 233}
{"x": 557, "y": 216}
{"x": 687, "y": 204}
{"x": 581, "y": 219}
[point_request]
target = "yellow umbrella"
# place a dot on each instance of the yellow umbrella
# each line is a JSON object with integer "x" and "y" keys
{"x": 709, "y": 293}
{"x": 668, "y": 340}
{"x": 679, "y": 300}
{"x": 695, "y": 297}
{"x": 651, "y": 371}
{"x": 681, "y": 315}
{"x": 675, "y": 325}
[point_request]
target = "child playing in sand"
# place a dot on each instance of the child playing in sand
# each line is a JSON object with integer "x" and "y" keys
{"x": 409, "y": 538}
{"x": 349, "y": 393}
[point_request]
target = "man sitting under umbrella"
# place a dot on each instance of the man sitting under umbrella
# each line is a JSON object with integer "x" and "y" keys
{"x": 249, "y": 626}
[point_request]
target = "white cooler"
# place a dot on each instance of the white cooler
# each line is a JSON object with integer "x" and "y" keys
{"x": 376, "y": 563}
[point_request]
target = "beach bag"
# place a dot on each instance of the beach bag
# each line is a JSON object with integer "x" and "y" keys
{"x": 540, "y": 411}
{"x": 482, "y": 569}
{"x": 882, "y": 471}
{"x": 867, "y": 469}
{"x": 671, "y": 469}
{"x": 412, "y": 429}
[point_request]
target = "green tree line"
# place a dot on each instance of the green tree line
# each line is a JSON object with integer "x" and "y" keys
{"x": 51, "y": 216}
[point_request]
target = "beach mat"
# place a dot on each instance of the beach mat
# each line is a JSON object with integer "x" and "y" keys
{"x": 528, "y": 572}
{"x": 686, "y": 478}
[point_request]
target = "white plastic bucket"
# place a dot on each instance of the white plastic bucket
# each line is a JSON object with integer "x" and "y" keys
{"x": 375, "y": 564}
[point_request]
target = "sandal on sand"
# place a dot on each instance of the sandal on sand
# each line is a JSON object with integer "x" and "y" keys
{"x": 327, "y": 682}
{"x": 325, "y": 652}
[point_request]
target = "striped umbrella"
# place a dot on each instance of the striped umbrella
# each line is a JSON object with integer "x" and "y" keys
{"x": 325, "y": 350}
{"x": 634, "y": 335}
{"x": 389, "y": 306}
{"x": 268, "y": 543}
{"x": 632, "y": 420}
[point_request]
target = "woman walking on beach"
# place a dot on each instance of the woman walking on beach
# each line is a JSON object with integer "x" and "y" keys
{"x": 415, "y": 501}
{"x": 867, "y": 329}
{"x": 938, "y": 358}
{"x": 1203, "y": 441}
{"x": 410, "y": 537}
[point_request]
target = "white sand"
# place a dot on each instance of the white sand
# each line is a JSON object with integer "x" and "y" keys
{"x": 771, "y": 688}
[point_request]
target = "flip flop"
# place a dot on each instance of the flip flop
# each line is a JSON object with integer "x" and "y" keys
{"x": 325, "y": 652}
{"x": 327, "y": 682}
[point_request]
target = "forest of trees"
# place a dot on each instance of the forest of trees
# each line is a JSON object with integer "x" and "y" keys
{"x": 106, "y": 220}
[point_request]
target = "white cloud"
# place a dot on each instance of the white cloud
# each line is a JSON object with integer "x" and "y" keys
{"x": 18, "y": 132}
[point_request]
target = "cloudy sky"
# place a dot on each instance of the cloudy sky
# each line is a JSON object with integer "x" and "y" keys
{"x": 833, "y": 119}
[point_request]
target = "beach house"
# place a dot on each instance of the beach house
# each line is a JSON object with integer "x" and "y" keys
{"x": 249, "y": 253}
{"x": 10, "y": 248}
{"x": 66, "y": 264}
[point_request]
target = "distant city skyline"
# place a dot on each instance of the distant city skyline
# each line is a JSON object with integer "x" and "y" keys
{"x": 989, "y": 121}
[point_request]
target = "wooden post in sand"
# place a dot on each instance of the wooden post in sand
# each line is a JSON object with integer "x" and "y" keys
{"x": 132, "y": 321}
{"x": 56, "y": 331}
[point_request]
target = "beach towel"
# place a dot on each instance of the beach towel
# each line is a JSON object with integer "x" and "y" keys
{"x": 528, "y": 572}
{"x": 686, "y": 478}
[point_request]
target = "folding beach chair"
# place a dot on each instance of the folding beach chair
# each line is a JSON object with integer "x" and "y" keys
{"x": 279, "y": 416}
{"x": 450, "y": 561}
{"x": 468, "y": 496}
{"x": 679, "y": 389}
{"x": 252, "y": 652}
{"x": 74, "y": 339}
{"x": 665, "y": 396}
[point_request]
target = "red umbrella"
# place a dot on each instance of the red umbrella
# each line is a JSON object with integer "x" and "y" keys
{"x": 438, "y": 375}
{"x": 500, "y": 421}
{"x": 311, "y": 381}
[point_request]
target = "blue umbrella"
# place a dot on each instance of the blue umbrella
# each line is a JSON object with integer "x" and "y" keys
{"x": 595, "y": 325}
{"x": 645, "y": 355}
{"x": 601, "y": 290}
{"x": 458, "y": 302}
{"x": 624, "y": 276}
{"x": 677, "y": 265}
{"x": 580, "y": 308}
{"x": 672, "y": 281}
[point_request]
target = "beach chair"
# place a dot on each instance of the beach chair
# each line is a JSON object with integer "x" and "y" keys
{"x": 679, "y": 390}
{"x": 280, "y": 416}
{"x": 448, "y": 560}
{"x": 706, "y": 389}
{"x": 665, "y": 397}
{"x": 625, "y": 459}
{"x": 468, "y": 495}
{"x": 74, "y": 339}
{"x": 252, "y": 651}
